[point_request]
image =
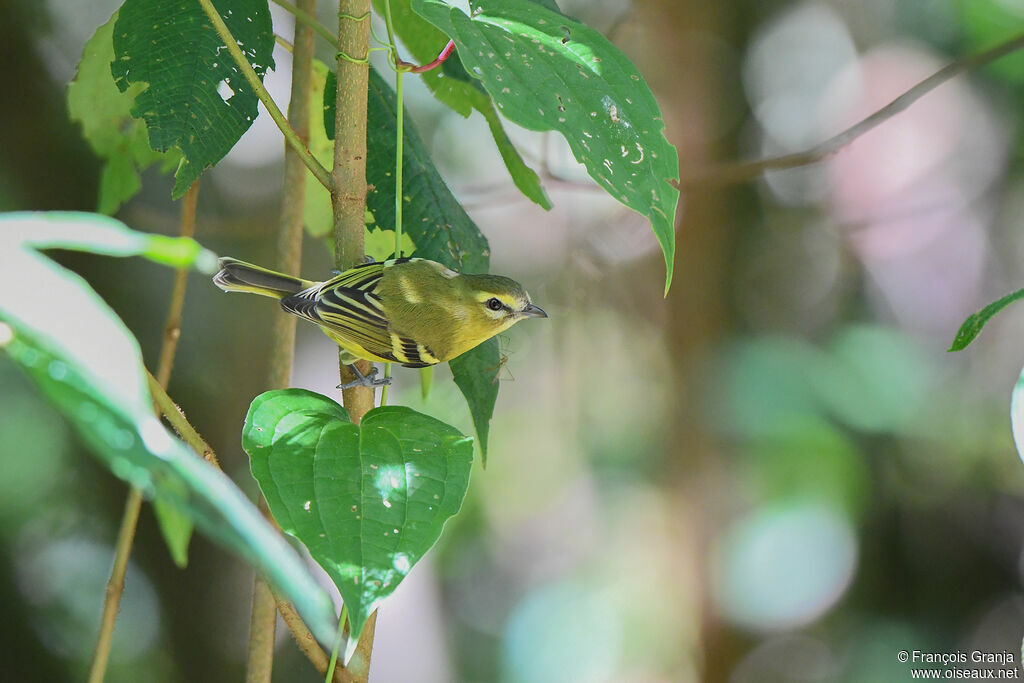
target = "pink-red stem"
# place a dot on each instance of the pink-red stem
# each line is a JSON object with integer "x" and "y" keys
{"x": 445, "y": 54}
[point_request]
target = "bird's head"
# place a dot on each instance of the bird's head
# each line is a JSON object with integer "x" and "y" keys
{"x": 495, "y": 303}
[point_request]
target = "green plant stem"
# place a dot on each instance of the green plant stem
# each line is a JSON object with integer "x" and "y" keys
{"x": 337, "y": 644}
{"x": 399, "y": 72}
{"x": 389, "y": 25}
{"x": 308, "y": 643}
{"x": 305, "y": 639}
{"x": 309, "y": 20}
{"x": 133, "y": 504}
{"x": 318, "y": 171}
{"x": 263, "y": 618}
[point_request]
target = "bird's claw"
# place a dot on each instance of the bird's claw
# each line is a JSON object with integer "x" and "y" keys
{"x": 366, "y": 259}
{"x": 368, "y": 380}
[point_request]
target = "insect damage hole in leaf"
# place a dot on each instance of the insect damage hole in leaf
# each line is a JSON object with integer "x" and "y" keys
{"x": 170, "y": 46}
{"x": 584, "y": 88}
{"x": 452, "y": 86}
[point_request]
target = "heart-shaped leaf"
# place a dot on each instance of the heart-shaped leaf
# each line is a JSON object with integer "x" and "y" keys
{"x": 546, "y": 71}
{"x": 367, "y": 500}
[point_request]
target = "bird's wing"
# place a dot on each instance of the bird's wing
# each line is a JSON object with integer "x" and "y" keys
{"x": 350, "y": 310}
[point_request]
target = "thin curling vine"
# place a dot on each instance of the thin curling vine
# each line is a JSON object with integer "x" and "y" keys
{"x": 397, "y": 65}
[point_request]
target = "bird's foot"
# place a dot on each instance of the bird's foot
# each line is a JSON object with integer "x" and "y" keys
{"x": 368, "y": 380}
{"x": 366, "y": 259}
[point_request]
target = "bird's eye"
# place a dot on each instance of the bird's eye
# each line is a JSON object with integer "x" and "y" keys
{"x": 494, "y": 304}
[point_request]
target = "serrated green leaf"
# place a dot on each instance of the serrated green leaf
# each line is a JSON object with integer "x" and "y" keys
{"x": 90, "y": 367}
{"x": 546, "y": 71}
{"x": 474, "y": 373}
{"x": 104, "y": 113}
{"x": 460, "y": 92}
{"x": 368, "y": 501}
{"x": 972, "y": 326}
{"x": 197, "y": 98}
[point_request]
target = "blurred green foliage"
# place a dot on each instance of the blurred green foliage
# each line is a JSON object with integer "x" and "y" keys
{"x": 776, "y": 474}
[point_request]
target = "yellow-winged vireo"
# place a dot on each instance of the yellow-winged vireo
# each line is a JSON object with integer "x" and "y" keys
{"x": 407, "y": 310}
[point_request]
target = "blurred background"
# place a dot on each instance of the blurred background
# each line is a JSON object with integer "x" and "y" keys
{"x": 776, "y": 473}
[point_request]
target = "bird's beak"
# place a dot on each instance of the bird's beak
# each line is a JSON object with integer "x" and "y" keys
{"x": 532, "y": 311}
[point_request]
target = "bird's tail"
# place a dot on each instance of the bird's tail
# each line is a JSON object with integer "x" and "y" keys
{"x": 239, "y": 276}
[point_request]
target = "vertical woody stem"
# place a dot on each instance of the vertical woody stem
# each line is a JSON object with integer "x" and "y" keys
{"x": 132, "y": 507}
{"x": 349, "y": 203}
{"x": 263, "y": 619}
{"x": 349, "y": 173}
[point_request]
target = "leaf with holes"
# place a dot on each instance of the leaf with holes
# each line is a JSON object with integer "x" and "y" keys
{"x": 546, "y": 71}
{"x": 452, "y": 86}
{"x": 197, "y": 98}
{"x": 367, "y": 500}
{"x": 89, "y": 366}
{"x": 104, "y": 113}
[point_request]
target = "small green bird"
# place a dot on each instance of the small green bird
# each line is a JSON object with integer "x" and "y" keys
{"x": 407, "y": 310}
